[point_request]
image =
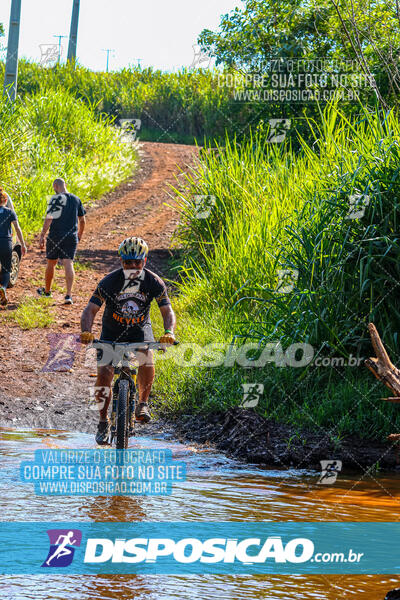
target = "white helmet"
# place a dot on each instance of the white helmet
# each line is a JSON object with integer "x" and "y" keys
{"x": 133, "y": 248}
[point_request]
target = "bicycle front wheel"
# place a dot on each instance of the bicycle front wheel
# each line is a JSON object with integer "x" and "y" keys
{"x": 122, "y": 415}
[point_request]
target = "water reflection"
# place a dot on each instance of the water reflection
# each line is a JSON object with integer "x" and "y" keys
{"x": 217, "y": 489}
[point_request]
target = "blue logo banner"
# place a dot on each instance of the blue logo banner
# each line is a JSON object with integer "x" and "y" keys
{"x": 200, "y": 548}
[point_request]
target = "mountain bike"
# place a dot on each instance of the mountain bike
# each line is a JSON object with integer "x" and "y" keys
{"x": 124, "y": 388}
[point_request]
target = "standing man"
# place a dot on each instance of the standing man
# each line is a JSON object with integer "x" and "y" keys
{"x": 65, "y": 221}
{"x": 8, "y": 219}
{"x": 127, "y": 294}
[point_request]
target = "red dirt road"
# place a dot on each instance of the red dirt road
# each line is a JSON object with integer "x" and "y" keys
{"x": 135, "y": 208}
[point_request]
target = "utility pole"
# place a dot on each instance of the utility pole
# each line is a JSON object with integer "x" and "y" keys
{"x": 73, "y": 34}
{"x": 11, "y": 70}
{"x": 108, "y": 50}
{"x": 59, "y": 45}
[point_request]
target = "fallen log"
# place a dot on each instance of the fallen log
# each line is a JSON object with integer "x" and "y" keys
{"x": 384, "y": 370}
{"x": 382, "y": 367}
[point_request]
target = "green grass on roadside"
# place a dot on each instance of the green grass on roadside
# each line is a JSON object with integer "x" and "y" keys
{"x": 82, "y": 265}
{"x": 32, "y": 313}
{"x": 278, "y": 210}
{"x": 334, "y": 403}
{"x": 53, "y": 134}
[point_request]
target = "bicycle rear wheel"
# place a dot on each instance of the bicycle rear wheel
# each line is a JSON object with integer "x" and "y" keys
{"x": 122, "y": 415}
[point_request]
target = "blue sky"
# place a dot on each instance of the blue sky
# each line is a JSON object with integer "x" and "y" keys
{"x": 160, "y": 32}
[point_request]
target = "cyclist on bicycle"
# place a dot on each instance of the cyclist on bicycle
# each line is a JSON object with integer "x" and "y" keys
{"x": 127, "y": 293}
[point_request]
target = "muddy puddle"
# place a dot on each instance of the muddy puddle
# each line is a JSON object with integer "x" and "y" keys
{"x": 216, "y": 489}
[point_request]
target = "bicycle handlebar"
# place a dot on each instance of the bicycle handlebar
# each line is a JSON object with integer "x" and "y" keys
{"x": 137, "y": 345}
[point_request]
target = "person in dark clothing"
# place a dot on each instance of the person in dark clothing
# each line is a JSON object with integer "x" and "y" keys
{"x": 8, "y": 219}
{"x": 127, "y": 294}
{"x": 65, "y": 223}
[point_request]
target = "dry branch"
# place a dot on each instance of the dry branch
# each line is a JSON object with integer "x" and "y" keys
{"x": 382, "y": 367}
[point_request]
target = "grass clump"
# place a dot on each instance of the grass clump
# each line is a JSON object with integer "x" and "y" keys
{"x": 33, "y": 313}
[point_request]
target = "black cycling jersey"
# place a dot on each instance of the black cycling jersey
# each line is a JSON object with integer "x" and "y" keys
{"x": 127, "y": 301}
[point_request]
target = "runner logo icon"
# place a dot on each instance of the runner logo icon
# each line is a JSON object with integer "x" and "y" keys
{"x": 62, "y": 547}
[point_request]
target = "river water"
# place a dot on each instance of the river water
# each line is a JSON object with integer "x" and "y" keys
{"x": 216, "y": 489}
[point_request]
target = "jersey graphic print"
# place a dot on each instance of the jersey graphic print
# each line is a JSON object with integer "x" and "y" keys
{"x": 128, "y": 299}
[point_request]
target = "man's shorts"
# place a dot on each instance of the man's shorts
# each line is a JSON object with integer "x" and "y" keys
{"x": 133, "y": 335}
{"x": 64, "y": 248}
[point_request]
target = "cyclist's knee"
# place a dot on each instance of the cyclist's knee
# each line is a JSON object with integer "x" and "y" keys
{"x": 105, "y": 375}
{"x": 145, "y": 358}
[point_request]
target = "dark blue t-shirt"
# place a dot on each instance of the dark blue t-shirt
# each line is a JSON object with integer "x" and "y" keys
{"x": 64, "y": 209}
{"x": 7, "y": 216}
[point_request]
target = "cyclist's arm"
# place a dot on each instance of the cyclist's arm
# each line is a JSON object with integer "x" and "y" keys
{"x": 88, "y": 316}
{"x": 168, "y": 316}
{"x": 81, "y": 226}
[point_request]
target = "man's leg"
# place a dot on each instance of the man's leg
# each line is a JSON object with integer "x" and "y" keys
{"x": 5, "y": 269}
{"x": 145, "y": 380}
{"x": 103, "y": 396}
{"x": 49, "y": 274}
{"x": 69, "y": 274}
{"x": 4, "y": 273}
{"x": 146, "y": 374}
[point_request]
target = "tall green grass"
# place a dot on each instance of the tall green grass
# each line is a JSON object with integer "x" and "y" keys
{"x": 176, "y": 107}
{"x": 279, "y": 210}
{"x": 53, "y": 134}
{"x": 276, "y": 210}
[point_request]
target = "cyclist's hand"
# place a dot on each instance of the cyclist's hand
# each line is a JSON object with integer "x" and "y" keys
{"x": 41, "y": 242}
{"x": 23, "y": 250}
{"x": 86, "y": 337}
{"x": 168, "y": 338}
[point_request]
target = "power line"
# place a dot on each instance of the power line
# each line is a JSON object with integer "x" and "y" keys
{"x": 108, "y": 50}
{"x": 59, "y": 44}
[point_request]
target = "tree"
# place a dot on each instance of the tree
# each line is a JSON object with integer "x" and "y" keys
{"x": 366, "y": 31}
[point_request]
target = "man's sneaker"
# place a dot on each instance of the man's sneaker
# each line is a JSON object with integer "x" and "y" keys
{"x": 103, "y": 433}
{"x": 3, "y": 297}
{"x": 142, "y": 412}
{"x": 42, "y": 292}
{"x": 68, "y": 300}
